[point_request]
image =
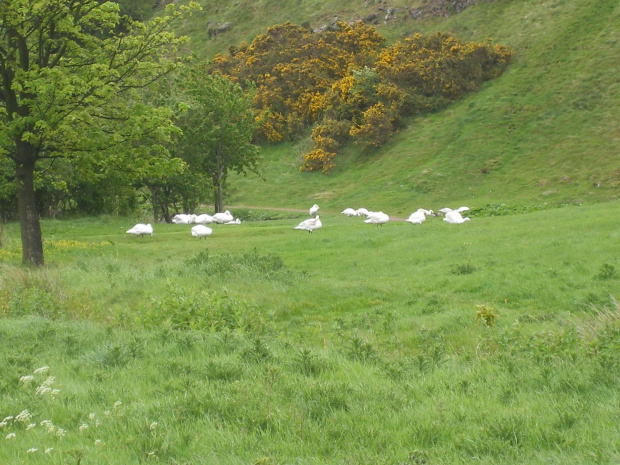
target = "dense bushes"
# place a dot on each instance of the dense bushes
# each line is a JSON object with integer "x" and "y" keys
{"x": 349, "y": 85}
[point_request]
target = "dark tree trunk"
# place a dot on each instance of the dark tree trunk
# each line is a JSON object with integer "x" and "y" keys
{"x": 32, "y": 244}
{"x": 218, "y": 202}
{"x": 154, "y": 204}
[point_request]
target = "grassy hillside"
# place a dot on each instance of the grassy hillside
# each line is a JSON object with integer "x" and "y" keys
{"x": 546, "y": 131}
{"x": 354, "y": 344}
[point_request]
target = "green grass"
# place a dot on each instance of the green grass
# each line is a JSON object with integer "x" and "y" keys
{"x": 354, "y": 344}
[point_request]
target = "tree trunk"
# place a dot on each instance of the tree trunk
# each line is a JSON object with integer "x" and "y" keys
{"x": 154, "y": 204}
{"x": 32, "y": 244}
{"x": 218, "y": 202}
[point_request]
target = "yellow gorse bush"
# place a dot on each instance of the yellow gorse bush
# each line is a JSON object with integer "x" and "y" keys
{"x": 346, "y": 73}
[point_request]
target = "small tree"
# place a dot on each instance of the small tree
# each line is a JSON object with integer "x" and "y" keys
{"x": 217, "y": 129}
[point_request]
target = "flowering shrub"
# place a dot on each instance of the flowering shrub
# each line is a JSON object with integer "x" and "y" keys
{"x": 346, "y": 74}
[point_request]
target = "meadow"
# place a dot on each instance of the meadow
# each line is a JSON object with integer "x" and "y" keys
{"x": 494, "y": 341}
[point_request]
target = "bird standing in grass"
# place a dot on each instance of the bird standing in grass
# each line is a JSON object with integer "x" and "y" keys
{"x": 455, "y": 217}
{"x": 201, "y": 231}
{"x": 314, "y": 209}
{"x": 141, "y": 230}
{"x": 310, "y": 224}
{"x": 349, "y": 212}
{"x": 377, "y": 218}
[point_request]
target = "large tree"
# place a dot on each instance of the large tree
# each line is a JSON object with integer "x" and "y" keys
{"x": 70, "y": 87}
{"x": 217, "y": 128}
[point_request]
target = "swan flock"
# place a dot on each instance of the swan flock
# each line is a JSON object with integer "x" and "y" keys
{"x": 378, "y": 218}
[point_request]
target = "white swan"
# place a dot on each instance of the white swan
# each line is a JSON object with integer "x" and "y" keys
{"x": 203, "y": 219}
{"x": 141, "y": 230}
{"x": 236, "y": 221}
{"x": 362, "y": 211}
{"x": 182, "y": 218}
{"x": 314, "y": 209}
{"x": 310, "y": 224}
{"x": 455, "y": 217}
{"x": 349, "y": 212}
{"x": 222, "y": 218}
{"x": 377, "y": 218}
{"x": 201, "y": 231}
{"x": 446, "y": 210}
{"x": 418, "y": 216}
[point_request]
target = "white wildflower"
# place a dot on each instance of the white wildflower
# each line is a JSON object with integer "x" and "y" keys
{"x": 30, "y": 426}
{"x": 91, "y": 416}
{"x": 49, "y": 450}
{"x": 60, "y": 432}
{"x": 153, "y": 426}
{"x": 106, "y": 413}
{"x": 83, "y": 427}
{"x": 31, "y": 451}
{"x": 8, "y": 418}
{"x": 118, "y": 403}
{"x": 3, "y": 424}
{"x": 23, "y": 416}
{"x": 49, "y": 381}
{"x": 42, "y": 370}
{"x": 42, "y": 390}
{"x": 26, "y": 379}
{"x": 54, "y": 392}
{"x": 10, "y": 436}
{"x": 98, "y": 442}
{"x": 49, "y": 426}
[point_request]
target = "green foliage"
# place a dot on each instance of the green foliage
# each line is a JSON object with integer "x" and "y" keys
{"x": 201, "y": 311}
{"x": 217, "y": 130}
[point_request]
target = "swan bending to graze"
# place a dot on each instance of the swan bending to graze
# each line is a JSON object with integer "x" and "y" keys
{"x": 141, "y": 230}
{"x": 418, "y": 216}
{"x": 446, "y": 210}
{"x": 455, "y": 217}
{"x": 222, "y": 218}
{"x": 349, "y": 212}
{"x": 236, "y": 221}
{"x": 182, "y": 218}
{"x": 377, "y": 218}
{"x": 362, "y": 211}
{"x": 201, "y": 231}
{"x": 203, "y": 219}
{"x": 314, "y": 209}
{"x": 310, "y": 224}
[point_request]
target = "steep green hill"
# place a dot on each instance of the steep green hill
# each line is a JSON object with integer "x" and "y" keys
{"x": 546, "y": 131}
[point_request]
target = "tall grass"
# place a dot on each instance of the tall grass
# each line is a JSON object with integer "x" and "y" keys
{"x": 494, "y": 341}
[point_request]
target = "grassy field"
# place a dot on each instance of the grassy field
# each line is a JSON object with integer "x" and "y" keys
{"x": 494, "y": 341}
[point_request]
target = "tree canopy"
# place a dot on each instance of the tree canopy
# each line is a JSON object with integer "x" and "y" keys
{"x": 71, "y": 90}
{"x": 217, "y": 128}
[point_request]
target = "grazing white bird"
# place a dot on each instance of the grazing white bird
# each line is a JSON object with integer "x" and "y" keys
{"x": 377, "y": 218}
{"x": 310, "y": 224}
{"x": 222, "y": 218}
{"x": 349, "y": 212}
{"x": 203, "y": 219}
{"x": 455, "y": 217}
{"x": 201, "y": 231}
{"x": 446, "y": 210}
{"x": 314, "y": 209}
{"x": 141, "y": 230}
{"x": 362, "y": 211}
{"x": 182, "y": 218}
{"x": 236, "y": 221}
{"x": 418, "y": 216}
